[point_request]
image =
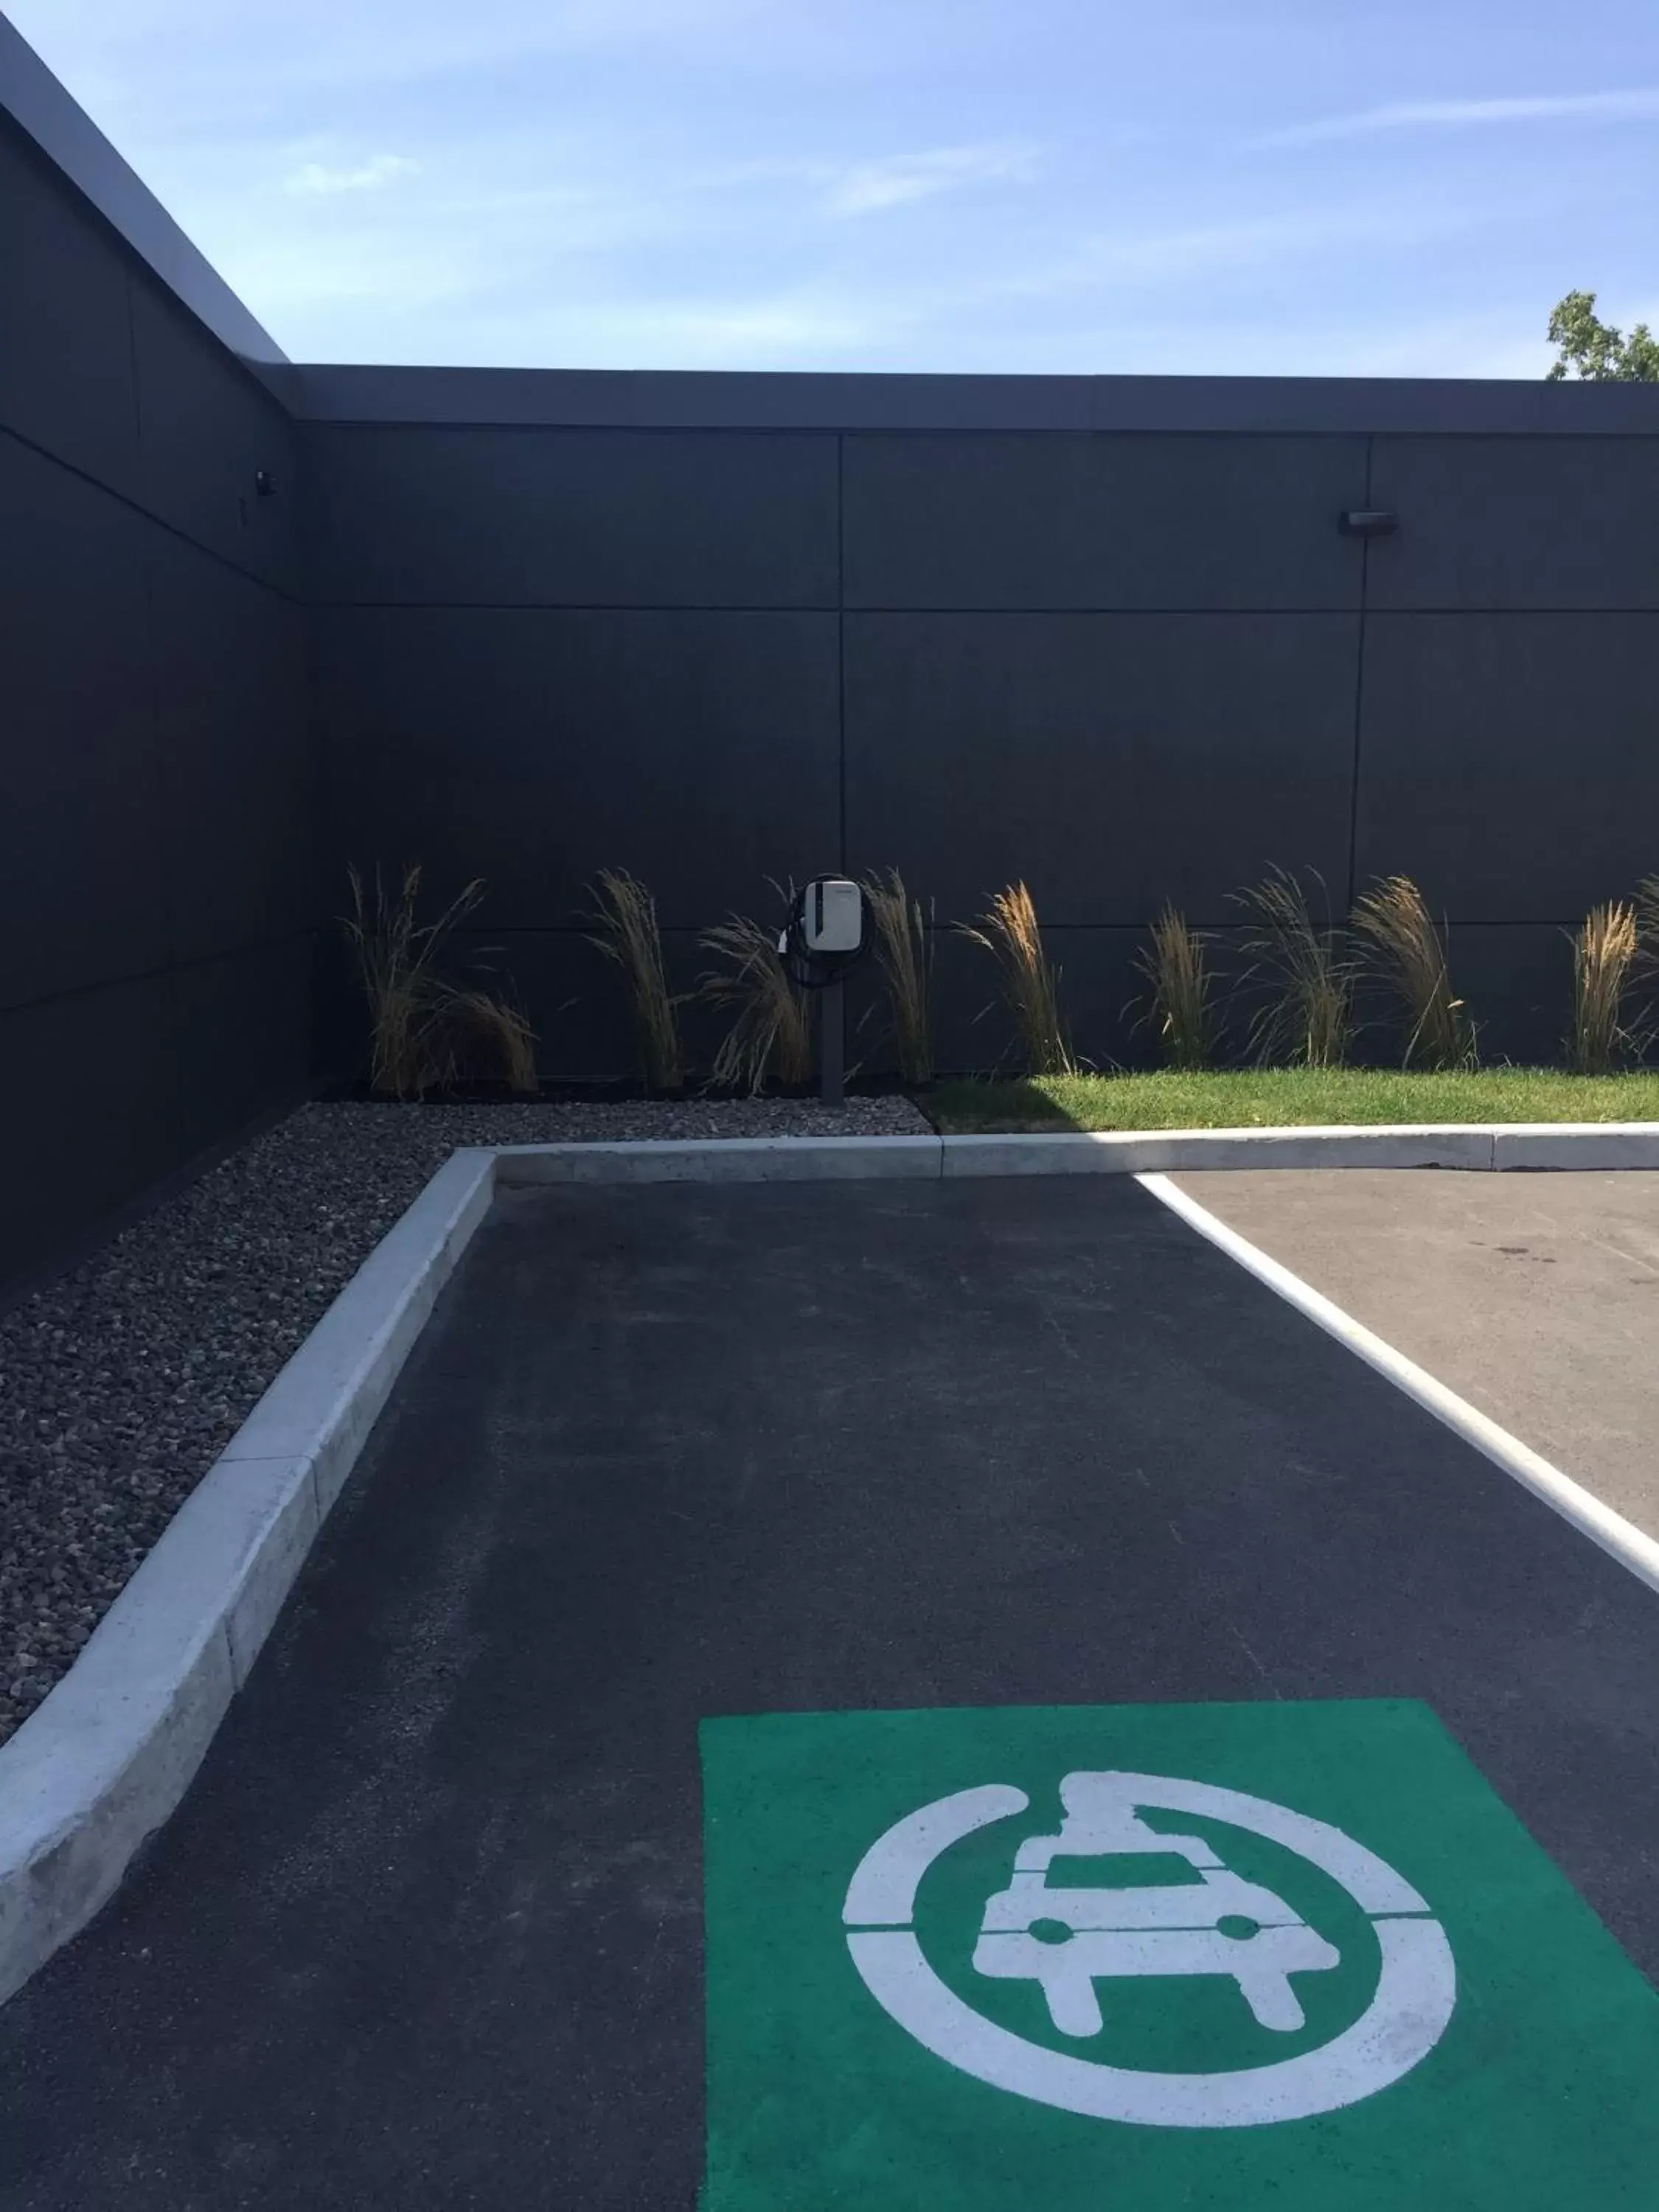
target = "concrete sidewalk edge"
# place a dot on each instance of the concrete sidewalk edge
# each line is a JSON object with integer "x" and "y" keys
{"x": 1140, "y": 1151}
{"x": 1479, "y": 1146}
{"x": 720, "y": 1159}
{"x": 106, "y": 1758}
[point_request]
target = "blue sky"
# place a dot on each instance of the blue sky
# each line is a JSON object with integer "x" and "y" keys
{"x": 1337, "y": 187}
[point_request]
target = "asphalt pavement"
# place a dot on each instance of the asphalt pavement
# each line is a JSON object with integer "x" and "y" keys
{"x": 1534, "y": 1297}
{"x": 427, "y": 1932}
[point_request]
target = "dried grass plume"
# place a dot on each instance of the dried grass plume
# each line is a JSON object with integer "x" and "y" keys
{"x": 1604, "y": 952}
{"x": 1177, "y": 966}
{"x": 904, "y": 958}
{"x": 1306, "y": 974}
{"x": 1407, "y": 953}
{"x": 426, "y": 1032}
{"x": 1008, "y": 931}
{"x": 770, "y": 1032}
{"x": 625, "y": 929}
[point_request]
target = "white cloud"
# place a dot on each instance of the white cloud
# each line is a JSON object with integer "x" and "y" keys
{"x": 762, "y": 332}
{"x": 305, "y": 279}
{"x": 870, "y": 186}
{"x": 373, "y": 175}
{"x": 1635, "y": 105}
{"x": 591, "y": 328}
{"x": 1162, "y": 259}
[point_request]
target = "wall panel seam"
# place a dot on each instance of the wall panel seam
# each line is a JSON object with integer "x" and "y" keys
{"x": 133, "y": 365}
{"x": 983, "y": 611}
{"x": 841, "y": 652}
{"x": 1280, "y": 432}
{"x": 163, "y": 972}
{"x": 165, "y": 879}
{"x": 1358, "y": 696}
{"x": 1224, "y": 925}
{"x": 574, "y": 607}
{"x": 294, "y": 599}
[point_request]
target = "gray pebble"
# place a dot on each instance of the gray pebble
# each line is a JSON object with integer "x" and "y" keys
{"x": 121, "y": 1383}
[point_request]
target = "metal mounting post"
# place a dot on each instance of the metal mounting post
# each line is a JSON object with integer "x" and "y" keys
{"x": 832, "y": 1044}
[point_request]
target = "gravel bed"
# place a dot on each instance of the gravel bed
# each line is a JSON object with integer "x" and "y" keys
{"x": 122, "y": 1382}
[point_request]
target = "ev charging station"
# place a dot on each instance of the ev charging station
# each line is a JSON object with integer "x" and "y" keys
{"x": 824, "y": 938}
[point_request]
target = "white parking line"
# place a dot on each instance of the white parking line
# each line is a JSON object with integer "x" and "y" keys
{"x": 1617, "y": 1536}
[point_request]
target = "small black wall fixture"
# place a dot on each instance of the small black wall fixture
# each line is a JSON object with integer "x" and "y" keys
{"x": 265, "y": 483}
{"x": 1368, "y": 522}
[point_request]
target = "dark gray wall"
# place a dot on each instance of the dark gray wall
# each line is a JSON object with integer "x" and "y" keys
{"x": 158, "y": 891}
{"x": 541, "y": 655}
{"x": 1098, "y": 631}
{"x": 1128, "y": 662}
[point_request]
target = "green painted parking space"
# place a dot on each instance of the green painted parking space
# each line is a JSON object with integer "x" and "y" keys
{"x": 1296, "y": 1954}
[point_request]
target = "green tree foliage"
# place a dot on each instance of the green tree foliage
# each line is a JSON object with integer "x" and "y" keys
{"x": 1595, "y": 350}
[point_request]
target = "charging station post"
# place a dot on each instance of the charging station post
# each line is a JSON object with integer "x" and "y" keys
{"x": 824, "y": 938}
{"x": 832, "y": 1043}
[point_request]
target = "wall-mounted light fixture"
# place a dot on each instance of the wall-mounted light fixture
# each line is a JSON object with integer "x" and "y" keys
{"x": 265, "y": 483}
{"x": 1368, "y": 522}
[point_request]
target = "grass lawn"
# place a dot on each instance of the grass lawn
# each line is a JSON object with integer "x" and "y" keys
{"x": 1268, "y": 1097}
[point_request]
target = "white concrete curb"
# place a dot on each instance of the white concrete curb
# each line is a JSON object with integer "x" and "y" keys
{"x": 1139, "y": 1152}
{"x": 1576, "y": 1145}
{"x": 103, "y": 1759}
{"x": 1621, "y": 1538}
{"x": 721, "y": 1159}
{"x": 1478, "y": 1145}
{"x": 106, "y": 1758}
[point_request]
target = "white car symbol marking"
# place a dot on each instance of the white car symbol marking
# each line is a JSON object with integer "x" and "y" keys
{"x": 1177, "y": 1928}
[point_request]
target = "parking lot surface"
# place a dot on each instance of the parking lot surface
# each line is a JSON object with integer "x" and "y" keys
{"x": 428, "y": 1931}
{"x": 1534, "y": 1297}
